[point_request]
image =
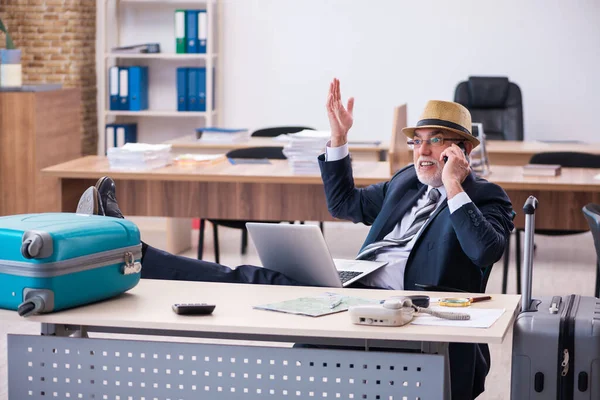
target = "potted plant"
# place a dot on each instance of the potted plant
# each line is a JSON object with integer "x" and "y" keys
{"x": 10, "y": 62}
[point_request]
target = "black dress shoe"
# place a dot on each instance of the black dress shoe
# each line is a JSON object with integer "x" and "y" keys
{"x": 90, "y": 203}
{"x": 107, "y": 192}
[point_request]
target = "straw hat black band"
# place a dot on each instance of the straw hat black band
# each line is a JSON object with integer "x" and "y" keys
{"x": 441, "y": 122}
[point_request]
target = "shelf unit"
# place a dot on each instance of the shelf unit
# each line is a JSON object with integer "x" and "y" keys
{"x": 128, "y": 22}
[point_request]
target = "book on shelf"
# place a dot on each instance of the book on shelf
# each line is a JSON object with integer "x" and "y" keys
{"x": 138, "y": 48}
{"x": 541, "y": 170}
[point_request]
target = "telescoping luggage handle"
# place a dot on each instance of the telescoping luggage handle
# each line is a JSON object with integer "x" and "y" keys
{"x": 529, "y": 210}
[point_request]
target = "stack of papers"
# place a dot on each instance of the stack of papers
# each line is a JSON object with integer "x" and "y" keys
{"x": 222, "y": 135}
{"x": 190, "y": 160}
{"x": 303, "y": 149}
{"x": 139, "y": 156}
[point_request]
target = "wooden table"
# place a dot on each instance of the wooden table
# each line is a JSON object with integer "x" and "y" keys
{"x": 361, "y": 150}
{"x": 500, "y": 152}
{"x": 272, "y": 192}
{"x": 146, "y": 310}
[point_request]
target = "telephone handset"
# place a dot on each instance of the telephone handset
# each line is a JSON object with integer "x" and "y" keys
{"x": 395, "y": 312}
{"x": 462, "y": 146}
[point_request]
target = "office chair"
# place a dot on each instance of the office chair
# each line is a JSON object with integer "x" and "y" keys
{"x": 279, "y": 130}
{"x": 564, "y": 159}
{"x": 592, "y": 214}
{"x": 271, "y": 153}
{"x": 496, "y": 103}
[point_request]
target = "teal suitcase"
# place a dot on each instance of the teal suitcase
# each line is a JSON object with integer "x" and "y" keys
{"x": 55, "y": 261}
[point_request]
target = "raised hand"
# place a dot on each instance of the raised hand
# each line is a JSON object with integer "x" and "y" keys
{"x": 340, "y": 118}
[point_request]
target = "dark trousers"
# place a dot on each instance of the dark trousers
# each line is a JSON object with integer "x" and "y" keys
{"x": 469, "y": 363}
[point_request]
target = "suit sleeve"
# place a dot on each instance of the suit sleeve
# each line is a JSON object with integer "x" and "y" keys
{"x": 344, "y": 200}
{"x": 483, "y": 227}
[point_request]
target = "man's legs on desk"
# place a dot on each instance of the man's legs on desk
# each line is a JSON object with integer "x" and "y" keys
{"x": 156, "y": 264}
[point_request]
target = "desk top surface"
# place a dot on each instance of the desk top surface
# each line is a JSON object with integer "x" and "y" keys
{"x": 191, "y": 143}
{"x": 148, "y": 306}
{"x": 279, "y": 172}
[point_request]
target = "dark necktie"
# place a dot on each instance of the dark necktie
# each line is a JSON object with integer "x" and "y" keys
{"x": 421, "y": 216}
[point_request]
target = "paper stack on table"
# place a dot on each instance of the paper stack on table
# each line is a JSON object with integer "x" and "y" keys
{"x": 139, "y": 156}
{"x": 303, "y": 149}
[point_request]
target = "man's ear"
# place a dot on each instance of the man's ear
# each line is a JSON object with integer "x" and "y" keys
{"x": 468, "y": 146}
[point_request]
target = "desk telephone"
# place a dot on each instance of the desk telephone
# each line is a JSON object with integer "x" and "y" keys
{"x": 396, "y": 311}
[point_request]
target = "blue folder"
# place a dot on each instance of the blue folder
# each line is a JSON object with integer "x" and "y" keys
{"x": 119, "y": 134}
{"x": 138, "y": 88}
{"x": 193, "y": 89}
{"x": 123, "y": 88}
{"x": 191, "y": 27}
{"x": 113, "y": 87}
{"x": 182, "y": 86}
{"x": 202, "y": 30}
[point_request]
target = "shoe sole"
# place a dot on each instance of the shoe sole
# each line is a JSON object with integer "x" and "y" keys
{"x": 88, "y": 202}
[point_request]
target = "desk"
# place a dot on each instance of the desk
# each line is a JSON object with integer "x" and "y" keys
{"x": 271, "y": 192}
{"x": 361, "y": 150}
{"x": 182, "y": 370}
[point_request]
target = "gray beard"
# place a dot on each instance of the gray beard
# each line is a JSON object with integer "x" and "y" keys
{"x": 433, "y": 181}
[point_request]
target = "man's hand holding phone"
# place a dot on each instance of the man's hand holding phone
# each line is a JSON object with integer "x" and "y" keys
{"x": 456, "y": 169}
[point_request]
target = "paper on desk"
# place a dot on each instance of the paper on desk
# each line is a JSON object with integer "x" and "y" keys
{"x": 316, "y": 306}
{"x": 597, "y": 177}
{"x": 480, "y": 317}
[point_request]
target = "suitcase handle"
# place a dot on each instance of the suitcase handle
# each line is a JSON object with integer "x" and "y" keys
{"x": 530, "y": 205}
{"x": 529, "y": 210}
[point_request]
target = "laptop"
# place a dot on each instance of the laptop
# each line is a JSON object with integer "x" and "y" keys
{"x": 300, "y": 252}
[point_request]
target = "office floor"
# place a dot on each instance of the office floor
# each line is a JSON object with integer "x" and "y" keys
{"x": 563, "y": 265}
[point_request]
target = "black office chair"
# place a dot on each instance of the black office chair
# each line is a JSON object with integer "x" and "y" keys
{"x": 279, "y": 130}
{"x": 592, "y": 214}
{"x": 271, "y": 153}
{"x": 496, "y": 103}
{"x": 565, "y": 159}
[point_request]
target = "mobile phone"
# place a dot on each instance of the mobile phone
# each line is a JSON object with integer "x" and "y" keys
{"x": 193, "y": 308}
{"x": 462, "y": 146}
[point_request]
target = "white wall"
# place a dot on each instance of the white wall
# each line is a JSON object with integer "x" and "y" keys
{"x": 279, "y": 56}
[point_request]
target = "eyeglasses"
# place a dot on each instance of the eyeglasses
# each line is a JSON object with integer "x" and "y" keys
{"x": 435, "y": 141}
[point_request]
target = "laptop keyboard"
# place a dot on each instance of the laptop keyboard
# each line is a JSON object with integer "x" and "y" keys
{"x": 345, "y": 276}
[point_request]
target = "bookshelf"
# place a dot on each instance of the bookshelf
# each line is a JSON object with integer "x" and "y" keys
{"x": 129, "y": 22}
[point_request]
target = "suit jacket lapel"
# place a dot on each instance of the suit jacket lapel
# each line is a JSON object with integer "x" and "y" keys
{"x": 400, "y": 201}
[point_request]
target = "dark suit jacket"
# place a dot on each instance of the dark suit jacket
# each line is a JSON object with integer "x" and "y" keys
{"x": 453, "y": 250}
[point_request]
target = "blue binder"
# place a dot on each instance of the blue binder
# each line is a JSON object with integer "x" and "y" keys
{"x": 138, "y": 88}
{"x": 113, "y": 87}
{"x": 201, "y": 74}
{"x": 202, "y": 31}
{"x": 123, "y": 88}
{"x": 191, "y": 27}
{"x": 193, "y": 90}
{"x": 116, "y": 135}
{"x": 182, "y": 86}
{"x": 196, "y": 89}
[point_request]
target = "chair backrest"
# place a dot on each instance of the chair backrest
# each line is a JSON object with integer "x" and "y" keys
{"x": 567, "y": 159}
{"x": 592, "y": 214}
{"x": 496, "y": 103}
{"x": 399, "y": 155}
{"x": 279, "y": 130}
{"x": 272, "y": 153}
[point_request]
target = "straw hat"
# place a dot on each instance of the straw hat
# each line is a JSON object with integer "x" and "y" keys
{"x": 445, "y": 115}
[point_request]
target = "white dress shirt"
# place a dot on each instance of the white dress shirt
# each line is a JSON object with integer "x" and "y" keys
{"x": 392, "y": 275}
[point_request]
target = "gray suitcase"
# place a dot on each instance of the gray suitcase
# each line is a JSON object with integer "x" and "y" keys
{"x": 556, "y": 344}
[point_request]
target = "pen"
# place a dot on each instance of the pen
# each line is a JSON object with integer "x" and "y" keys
{"x": 481, "y": 298}
{"x": 335, "y": 304}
